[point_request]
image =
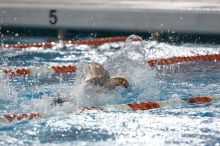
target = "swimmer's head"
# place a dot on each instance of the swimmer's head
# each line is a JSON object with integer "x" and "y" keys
{"x": 117, "y": 81}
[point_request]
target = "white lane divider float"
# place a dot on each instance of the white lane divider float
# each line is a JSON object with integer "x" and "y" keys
{"x": 8, "y": 118}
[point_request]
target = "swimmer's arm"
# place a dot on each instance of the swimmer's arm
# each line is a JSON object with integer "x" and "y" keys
{"x": 59, "y": 101}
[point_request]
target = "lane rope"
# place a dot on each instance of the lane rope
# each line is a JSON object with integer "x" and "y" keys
{"x": 50, "y": 45}
{"x": 72, "y": 68}
{"x": 121, "y": 107}
{"x": 175, "y": 60}
{"x": 40, "y": 71}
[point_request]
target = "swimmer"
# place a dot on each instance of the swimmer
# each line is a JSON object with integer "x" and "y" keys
{"x": 99, "y": 77}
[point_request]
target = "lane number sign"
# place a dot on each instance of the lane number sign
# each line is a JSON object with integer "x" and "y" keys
{"x": 53, "y": 17}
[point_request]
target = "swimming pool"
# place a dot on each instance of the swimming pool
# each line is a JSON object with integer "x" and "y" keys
{"x": 173, "y": 125}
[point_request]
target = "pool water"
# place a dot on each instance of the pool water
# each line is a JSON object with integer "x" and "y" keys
{"x": 64, "y": 125}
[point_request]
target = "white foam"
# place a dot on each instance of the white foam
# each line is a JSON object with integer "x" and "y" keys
{"x": 129, "y": 62}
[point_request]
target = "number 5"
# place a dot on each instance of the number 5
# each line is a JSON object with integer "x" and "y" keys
{"x": 52, "y": 17}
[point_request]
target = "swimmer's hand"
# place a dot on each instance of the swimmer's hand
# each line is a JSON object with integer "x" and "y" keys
{"x": 59, "y": 101}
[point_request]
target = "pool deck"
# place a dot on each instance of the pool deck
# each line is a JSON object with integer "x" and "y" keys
{"x": 188, "y": 16}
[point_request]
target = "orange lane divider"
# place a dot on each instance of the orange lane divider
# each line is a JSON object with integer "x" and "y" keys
{"x": 96, "y": 42}
{"x": 19, "y": 117}
{"x": 72, "y": 68}
{"x": 174, "y": 60}
{"x": 49, "y": 45}
{"x": 45, "y": 70}
{"x": 201, "y": 100}
{"x": 130, "y": 107}
{"x": 144, "y": 106}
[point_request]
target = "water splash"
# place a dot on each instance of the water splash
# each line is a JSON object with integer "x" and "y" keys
{"x": 128, "y": 62}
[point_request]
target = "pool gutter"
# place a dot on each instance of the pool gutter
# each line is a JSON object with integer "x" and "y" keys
{"x": 140, "y": 16}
